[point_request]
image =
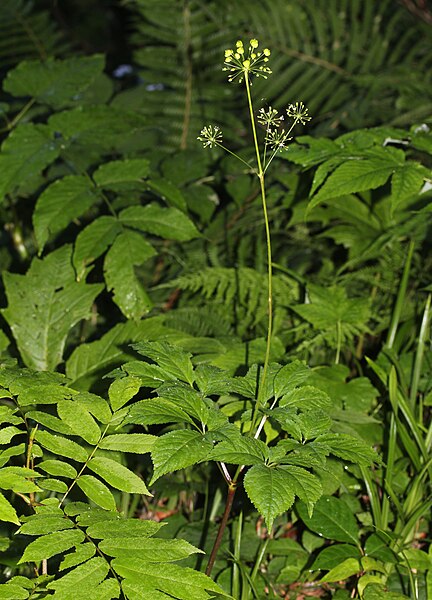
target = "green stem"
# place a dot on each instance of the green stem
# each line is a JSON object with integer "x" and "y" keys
{"x": 400, "y": 298}
{"x": 269, "y": 255}
{"x": 424, "y": 333}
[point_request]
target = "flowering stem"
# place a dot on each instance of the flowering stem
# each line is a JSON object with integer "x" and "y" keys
{"x": 269, "y": 255}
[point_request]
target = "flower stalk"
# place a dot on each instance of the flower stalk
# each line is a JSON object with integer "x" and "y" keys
{"x": 242, "y": 65}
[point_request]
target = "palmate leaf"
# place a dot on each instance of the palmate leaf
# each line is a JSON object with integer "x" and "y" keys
{"x": 24, "y": 154}
{"x": 58, "y": 83}
{"x": 272, "y": 490}
{"x": 144, "y": 579}
{"x": 63, "y": 201}
{"x": 43, "y": 305}
{"x": 129, "y": 249}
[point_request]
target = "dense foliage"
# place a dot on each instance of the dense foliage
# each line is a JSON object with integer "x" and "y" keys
{"x": 156, "y": 441}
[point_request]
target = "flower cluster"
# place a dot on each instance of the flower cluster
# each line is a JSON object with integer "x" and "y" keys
{"x": 298, "y": 112}
{"x": 276, "y": 137}
{"x": 210, "y": 136}
{"x": 269, "y": 118}
{"x": 241, "y": 64}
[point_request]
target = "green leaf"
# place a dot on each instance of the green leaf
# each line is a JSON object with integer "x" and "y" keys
{"x": 122, "y": 390}
{"x": 10, "y": 591}
{"x": 7, "y": 433}
{"x": 357, "y": 175}
{"x": 171, "y": 358}
{"x": 306, "y": 398}
{"x": 407, "y": 182}
{"x": 156, "y": 411}
{"x": 332, "y": 519}
{"x": 63, "y": 201}
{"x": 118, "y": 476}
{"x": 82, "y": 553}
{"x": 62, "y": 446}
{"x": 128, "y": 250}
{"x": 168, "y": 192}
{"x": 272, "y": 490}
{"x": 24, "y": 154}
{"x": 139, "y": 443}
{"x": 178, "y": 582}
{"x": 7, "y": 511}
{"x": 349, "y": 448}
{"x": 44, "y": 523}
{"x": 169, "y": 223}
{"x": 241, "y": 451}
{"x": 269, "y": 491}
{"x": 92, "y": 242}
{"x": 95, "y": 405}
{"x": 44, "y": 305}
{"x": 178, "y": 449}
{"x": 90, "y": 361}
{"x": 84, "y": 578}
{"x": 333, "y": 555}
{"x": 58, "y": 468}
{"x": 57, "y": 83}
{"x": 152, "y": 550}
{"x": 79, "y": 420}
{"x": 121, "y": 528}
{"x": 376, "y": 591}
{"x": 347, "y": 568}
{"x": 53, "y": 485}
{"x": 51, "y": 544}
{"x": 97, "y": 492}
{"x": 289, "y": 377}
{"x": 121, "y": 171}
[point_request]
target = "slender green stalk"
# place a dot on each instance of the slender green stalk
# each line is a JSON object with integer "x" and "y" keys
{"x": 235, "y": 587}
{"x": 400, "y": 298}
{"x": 423, "y": 336}
{"x": 269, "y": 254}
{"x": 258, "y": 561}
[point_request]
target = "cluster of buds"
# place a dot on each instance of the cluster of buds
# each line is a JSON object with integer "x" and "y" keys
{"x": 241, "y": 65}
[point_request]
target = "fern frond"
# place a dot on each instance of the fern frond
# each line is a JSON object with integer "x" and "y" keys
{"x": 27, "y": 33}
{"x": 242, "y": 293}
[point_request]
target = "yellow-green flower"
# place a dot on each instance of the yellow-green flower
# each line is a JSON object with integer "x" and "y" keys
{"x": 240, "y": 65}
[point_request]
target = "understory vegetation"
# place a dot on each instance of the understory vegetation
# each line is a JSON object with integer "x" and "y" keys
{"x": 215, "y": 363}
